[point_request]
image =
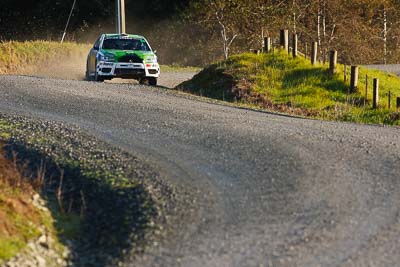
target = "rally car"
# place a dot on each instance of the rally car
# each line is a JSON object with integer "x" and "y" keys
{"x": 124, "y": 56}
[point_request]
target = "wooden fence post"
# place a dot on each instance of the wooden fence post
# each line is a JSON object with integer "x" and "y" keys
{"x": 332, "y": 62}
{"x": 375, "y": 94}
{"x": 314, "y": 52}
{"x": 366, "y": 90}
{"x": 295, "y": 44}
{"x": 284, "y": 40}
{"x": 353, "y": 79}
{"x": 345, "y": 73}
{"x": 267, "y": 45}
{"x": 389, "y": 99}
{"x": 306, "y": 53}
{"x": 398, "y": 102}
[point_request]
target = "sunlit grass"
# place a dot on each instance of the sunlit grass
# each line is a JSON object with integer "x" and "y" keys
{"x": 279, "y": 81}
{"x": 175, "y": 68}
{"x": 20, "y": 220}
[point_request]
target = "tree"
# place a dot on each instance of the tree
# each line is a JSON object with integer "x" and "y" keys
{"x": 220, "y": 16}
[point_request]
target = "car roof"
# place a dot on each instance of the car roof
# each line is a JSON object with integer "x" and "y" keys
{"x": 115, "y": 35}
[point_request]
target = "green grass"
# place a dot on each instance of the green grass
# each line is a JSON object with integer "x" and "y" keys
{"x": 279, "y": 82}
{"x": 22, "y": 226}
{"x": 17, "y": 56}
{"x": 4, "y": 133}
{"x": 24, "y": 231}
{"x": 10, "y": 247}
{"x": 175, "y": 68}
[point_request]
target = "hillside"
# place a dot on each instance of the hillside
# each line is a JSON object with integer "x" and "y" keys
{"x": 292, "y": 85}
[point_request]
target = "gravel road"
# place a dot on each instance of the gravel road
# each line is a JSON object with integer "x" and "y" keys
{"x": 391, "y": 68}
{"x": 269, "y": 190}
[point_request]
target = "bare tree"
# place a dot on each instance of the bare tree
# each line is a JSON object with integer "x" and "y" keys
{"x": 219, "y": 16}
{"x": 357, "y": 28}
{"x": 227, "y": 38}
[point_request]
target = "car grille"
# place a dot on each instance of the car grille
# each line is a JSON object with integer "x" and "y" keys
{"x": 106, "y": 70}
{"x": 128, "y": 72}
{"x": 131, "y": 59}
{"x": 153, "y": 71}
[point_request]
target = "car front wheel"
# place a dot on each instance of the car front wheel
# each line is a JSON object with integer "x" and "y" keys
{"x": 87, "y": 74}
{"x": 152, "y": 81}
{"x": 97, "y": 77}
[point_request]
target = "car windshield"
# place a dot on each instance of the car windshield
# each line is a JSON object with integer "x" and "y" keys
{"x": 126, "y": 44}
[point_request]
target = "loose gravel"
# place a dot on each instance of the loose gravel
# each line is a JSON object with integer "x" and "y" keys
{"x": 264, "y": 189}
{"x": 391, "y": 68}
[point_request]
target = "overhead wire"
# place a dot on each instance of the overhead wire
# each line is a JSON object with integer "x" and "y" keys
{"x": 69, "y": 19}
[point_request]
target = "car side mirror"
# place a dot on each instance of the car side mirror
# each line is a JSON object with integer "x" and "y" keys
{"x": 95, "y": 48}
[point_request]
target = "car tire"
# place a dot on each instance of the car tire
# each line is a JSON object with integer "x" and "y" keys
{"x": 87, "y": 74}
{"x": 152, "y": 81}
{"x": 97, "y": 77}
{"x": 143, "y": 81}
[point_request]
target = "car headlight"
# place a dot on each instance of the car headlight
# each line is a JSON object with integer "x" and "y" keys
{"x": 106, "y": 57}
{"x": 151, "y": 59}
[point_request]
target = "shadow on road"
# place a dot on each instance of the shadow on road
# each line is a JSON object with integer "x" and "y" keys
{"x": 96, "y": 220}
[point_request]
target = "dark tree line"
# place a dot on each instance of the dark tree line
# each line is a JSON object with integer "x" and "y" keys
{"x": 46, "y": 19}
{"x": 30, "y": 19}
{"x": 201, "y": 31}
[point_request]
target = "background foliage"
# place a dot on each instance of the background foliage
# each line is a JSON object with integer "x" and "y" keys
{"x": 197, "y": 32}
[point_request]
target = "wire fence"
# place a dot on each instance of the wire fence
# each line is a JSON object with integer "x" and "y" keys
{"x": 350, "y": 73}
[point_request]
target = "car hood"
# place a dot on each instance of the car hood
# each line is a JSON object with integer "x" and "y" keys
{"x": 118, "y": 54}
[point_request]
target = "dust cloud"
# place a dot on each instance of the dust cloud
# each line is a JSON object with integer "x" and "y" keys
{"x": 68, "y": 68}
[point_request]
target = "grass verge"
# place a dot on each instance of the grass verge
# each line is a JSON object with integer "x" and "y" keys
{"x": 292, "y": 85}
{"x": 174, "y": 68}
{"x": 19, "y": 218}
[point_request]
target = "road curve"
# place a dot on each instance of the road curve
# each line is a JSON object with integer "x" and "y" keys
{"x": 271, "y": 190}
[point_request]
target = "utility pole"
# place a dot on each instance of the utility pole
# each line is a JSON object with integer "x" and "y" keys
{"x": 385, "y": 33}
{"x": 120, "y": 18}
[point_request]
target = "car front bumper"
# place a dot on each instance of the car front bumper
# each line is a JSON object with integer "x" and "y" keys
{"x": 128, "y": 70}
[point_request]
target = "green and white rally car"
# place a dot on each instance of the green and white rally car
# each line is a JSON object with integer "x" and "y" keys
{"x": 122, "y": 56}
